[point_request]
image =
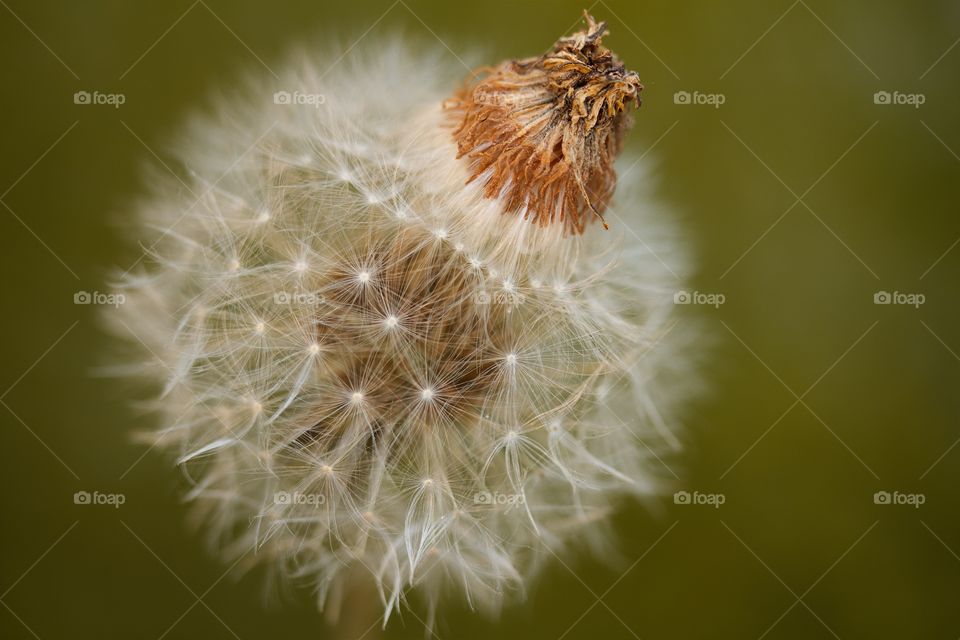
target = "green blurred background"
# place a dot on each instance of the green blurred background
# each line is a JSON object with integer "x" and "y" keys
{"x": 801, "y": 196}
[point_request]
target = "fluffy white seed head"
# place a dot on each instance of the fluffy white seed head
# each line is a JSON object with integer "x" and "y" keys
{"x": 372, "y": 370}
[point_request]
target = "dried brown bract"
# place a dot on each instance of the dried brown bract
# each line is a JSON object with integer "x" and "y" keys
{"x": 543, "y": 132}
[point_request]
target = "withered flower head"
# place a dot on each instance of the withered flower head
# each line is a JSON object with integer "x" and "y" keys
{"x": 543, "y": 132}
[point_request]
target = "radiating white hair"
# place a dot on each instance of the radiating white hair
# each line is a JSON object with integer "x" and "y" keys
{"x": 370, "y": 371}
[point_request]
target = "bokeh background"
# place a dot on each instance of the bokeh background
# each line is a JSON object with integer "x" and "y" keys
{"x": 803, "y": 194}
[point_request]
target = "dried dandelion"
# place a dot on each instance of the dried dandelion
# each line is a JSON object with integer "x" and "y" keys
{"x": 393, "y": 347}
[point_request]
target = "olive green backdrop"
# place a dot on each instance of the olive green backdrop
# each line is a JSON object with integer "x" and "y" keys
{"x": 802, "y": 194}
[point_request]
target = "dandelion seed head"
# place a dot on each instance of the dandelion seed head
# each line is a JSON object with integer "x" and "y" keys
{"x": 473, "y": 344}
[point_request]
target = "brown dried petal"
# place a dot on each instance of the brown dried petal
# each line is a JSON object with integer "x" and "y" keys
{"x": 543, "y": 132}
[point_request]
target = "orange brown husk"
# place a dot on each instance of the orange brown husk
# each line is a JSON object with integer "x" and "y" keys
{"x": 543, "y": 132}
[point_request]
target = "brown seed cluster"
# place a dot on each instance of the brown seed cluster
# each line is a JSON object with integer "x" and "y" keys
{"x": 406, "y": 348}
{"x": 543, "y": 132}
